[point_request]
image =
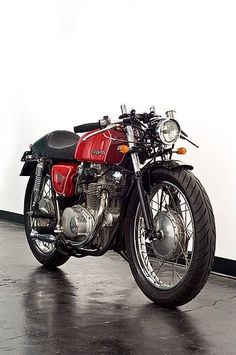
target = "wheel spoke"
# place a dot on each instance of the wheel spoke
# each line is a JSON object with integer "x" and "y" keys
{"x": 165, "y": 262}
{"x": 157, "y": 269}
{"x": 46, "y": 194}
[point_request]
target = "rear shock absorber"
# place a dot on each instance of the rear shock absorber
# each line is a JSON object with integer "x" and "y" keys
{"x": 38, "y": 182}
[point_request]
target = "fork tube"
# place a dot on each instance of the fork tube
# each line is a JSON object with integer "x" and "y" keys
{"x": 147, "y": 214}
{"x": 144, "y": 203}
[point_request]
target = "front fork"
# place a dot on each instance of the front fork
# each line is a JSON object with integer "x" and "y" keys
{"x": 145, "y": 205}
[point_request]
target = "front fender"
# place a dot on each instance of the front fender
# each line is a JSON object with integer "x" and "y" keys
{"x": 148, "y": 170}
{"x": 147, "y": 173}
{"x": 169, "y": 164}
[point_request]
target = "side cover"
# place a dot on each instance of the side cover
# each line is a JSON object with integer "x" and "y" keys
{"x": 63, "y": 178}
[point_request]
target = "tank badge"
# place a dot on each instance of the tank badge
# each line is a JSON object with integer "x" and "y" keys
{"x": 60, "y": 178}
{"x": 97, "y": 152}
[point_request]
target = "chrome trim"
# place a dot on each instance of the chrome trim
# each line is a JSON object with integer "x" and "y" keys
{"x": 58, "y": 228}
{"x": 144, "y": 264}
{"x": 170, "y": 114}
{"x": 47, "y": 238}
{"x": 101, "y": 217}
{"x": 101, "y": 212}
{"x": 131, "y": 143}
{"x": 136, "y": 162}
{"x": 159, "y": 126}
{"x": 123, "y": 109}
{"x": 130, "y": 136}
{"x": 100, "y": 131}
{"x": 37, "y": 181}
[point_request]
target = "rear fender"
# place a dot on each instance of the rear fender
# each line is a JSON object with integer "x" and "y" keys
{"x": 28, "y": 168}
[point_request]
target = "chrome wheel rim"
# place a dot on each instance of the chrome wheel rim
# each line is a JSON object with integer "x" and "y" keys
{"x": 46, "y": 195}
{"x": 165, "y": 262}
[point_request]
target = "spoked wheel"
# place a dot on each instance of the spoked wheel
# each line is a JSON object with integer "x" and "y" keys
{"x": 172, "y": 269}
{"x": 46, "y": 253}
{"x": 166, "y": 261}
{"x": 46, "y": 206}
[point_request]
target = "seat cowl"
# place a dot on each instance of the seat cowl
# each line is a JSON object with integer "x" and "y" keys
{"x": 58, "y": 145}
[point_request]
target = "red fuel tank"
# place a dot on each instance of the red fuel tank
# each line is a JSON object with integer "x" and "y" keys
{"x": 101, "y": 148}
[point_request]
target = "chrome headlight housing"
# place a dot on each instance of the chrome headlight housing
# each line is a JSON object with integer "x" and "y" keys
{"x": 168, "y": 130}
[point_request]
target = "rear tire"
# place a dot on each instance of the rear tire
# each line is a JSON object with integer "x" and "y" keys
{"x": 142, "y": 253}
{"x": 52, "y": 258}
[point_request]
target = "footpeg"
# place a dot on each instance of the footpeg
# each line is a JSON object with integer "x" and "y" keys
{"x": 48, "y": 238}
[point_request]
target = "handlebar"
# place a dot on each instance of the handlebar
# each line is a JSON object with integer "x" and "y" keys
{"x": 106, "y": 121}
{"x": 87, "y": 127}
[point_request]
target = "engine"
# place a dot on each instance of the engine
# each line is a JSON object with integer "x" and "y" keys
{"x": 100, "y": 192}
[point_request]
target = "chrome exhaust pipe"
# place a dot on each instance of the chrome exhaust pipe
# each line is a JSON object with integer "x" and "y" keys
{"x": 101, "y": 213}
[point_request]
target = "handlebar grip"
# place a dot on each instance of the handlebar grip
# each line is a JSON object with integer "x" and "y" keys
{"x": 87, "y": 127}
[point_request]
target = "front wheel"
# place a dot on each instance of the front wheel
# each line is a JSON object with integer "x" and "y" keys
{"x": 172, "y": 270}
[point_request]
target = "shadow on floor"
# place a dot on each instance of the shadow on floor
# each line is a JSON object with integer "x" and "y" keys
{"x": 93, "y": 306}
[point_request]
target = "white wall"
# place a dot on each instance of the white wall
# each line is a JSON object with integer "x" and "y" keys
{"x": 72, "y": 61}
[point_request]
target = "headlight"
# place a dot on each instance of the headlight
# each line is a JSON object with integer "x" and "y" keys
{"x": 168, "y": 131}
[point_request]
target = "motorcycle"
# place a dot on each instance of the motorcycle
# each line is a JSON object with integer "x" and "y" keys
{"x": 118, "y": 188}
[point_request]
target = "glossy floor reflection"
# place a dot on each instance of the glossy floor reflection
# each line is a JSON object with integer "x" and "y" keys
{"x": 92, "y": 305}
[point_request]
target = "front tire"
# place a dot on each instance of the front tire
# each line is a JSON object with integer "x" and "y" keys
{"x": 46, "y": 253}
{"x": 173, "y": 270}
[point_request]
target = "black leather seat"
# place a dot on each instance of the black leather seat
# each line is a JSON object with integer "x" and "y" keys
{"x": 57, "y": 145}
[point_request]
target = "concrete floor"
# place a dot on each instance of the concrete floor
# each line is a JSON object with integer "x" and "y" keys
{"x": 93, "y": 305}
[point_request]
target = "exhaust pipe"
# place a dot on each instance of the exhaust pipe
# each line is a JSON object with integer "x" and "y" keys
{"x": 101, "y": 213}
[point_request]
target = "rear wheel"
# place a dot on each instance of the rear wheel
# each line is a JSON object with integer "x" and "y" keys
{"x": 173, "y": 269}
{"x": 46, "y": 253}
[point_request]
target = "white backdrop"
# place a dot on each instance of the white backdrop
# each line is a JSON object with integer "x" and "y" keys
{"x": 67, "y": 62}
